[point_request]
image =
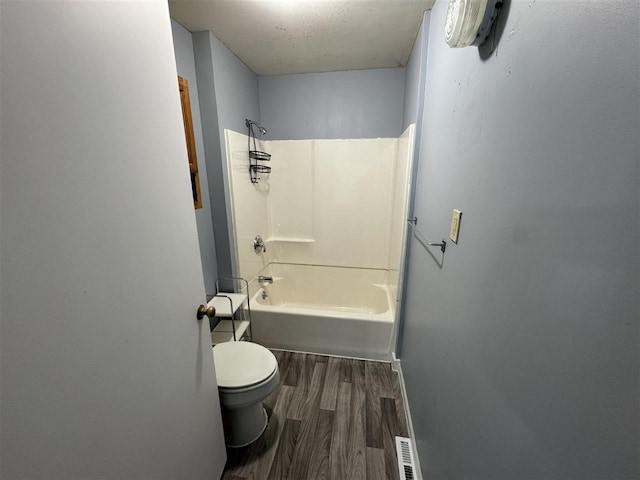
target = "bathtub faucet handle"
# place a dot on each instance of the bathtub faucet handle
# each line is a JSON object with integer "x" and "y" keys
{"x": 263, "y": 279}
{"x": 258, "y": 245}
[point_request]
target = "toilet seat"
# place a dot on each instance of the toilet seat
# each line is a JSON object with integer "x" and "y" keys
{"x": 243, "y": 364}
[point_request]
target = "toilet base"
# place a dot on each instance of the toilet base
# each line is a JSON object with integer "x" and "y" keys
{"x": 243, "y": 426}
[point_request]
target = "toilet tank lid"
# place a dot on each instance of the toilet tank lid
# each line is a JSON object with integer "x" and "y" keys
{"x": 241, "y": 364}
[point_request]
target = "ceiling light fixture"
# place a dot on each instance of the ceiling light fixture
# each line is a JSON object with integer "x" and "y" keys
{"x": 469, "y": 21}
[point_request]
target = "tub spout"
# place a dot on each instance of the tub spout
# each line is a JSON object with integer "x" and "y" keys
{"x": 263, "y": 279}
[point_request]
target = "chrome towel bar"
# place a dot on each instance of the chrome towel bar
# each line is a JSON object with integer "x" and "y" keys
{"x": 422, "y": 239}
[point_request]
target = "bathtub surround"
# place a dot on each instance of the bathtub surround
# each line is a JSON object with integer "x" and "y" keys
{"x": 292, "y": 196}
{"x": 325, "y": 202}
{"x": 520, "y": 355}
{"x": 330, "y": 418}
{"x": 349, "y": 190}
{"x": 401, "y": 191}
{"x": 248, "y": 203}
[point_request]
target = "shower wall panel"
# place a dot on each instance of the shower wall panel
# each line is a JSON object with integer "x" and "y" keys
{"x": 401, "y": 188}
{"x": 291, "y": 186}
{"x": 325, "y": 202}
{"x": 353, "y": 193}
{"x": 248, "y": 204}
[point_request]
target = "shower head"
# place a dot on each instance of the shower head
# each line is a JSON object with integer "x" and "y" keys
{"x": 249, "y": 123}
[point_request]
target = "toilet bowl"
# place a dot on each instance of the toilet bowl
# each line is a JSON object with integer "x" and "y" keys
{"x": 246, "y": 373}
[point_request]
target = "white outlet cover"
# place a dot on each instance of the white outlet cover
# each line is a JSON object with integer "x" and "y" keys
{"x": 455, "y": 225}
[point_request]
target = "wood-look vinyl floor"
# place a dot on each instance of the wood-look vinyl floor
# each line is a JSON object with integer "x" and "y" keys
{"x": 330, "y": 418}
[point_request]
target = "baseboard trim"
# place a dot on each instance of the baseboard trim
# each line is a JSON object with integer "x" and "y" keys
{"x": 306, "y": 352}
{"x": 396, "y": 365}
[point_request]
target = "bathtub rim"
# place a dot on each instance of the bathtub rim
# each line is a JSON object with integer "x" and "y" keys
{"x": 388, "y": 315}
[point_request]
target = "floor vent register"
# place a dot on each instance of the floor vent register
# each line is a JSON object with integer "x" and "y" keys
{"x": 405, "y": 459}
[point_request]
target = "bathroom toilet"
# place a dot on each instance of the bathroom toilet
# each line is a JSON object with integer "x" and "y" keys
{"x": 246, "y": 373}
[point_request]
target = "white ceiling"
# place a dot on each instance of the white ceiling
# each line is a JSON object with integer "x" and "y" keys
{"x": 275, "y": 37}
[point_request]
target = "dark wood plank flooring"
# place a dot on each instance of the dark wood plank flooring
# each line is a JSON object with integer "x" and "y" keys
{"x": 330, "y": 418}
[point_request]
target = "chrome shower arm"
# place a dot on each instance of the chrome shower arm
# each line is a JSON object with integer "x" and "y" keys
{"x": 249, "y": 124}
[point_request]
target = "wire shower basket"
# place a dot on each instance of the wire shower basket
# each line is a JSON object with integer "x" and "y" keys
{"x": 256, "y": 155}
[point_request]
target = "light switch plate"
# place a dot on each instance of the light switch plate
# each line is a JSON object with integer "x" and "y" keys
{"x": 455, "y": 225}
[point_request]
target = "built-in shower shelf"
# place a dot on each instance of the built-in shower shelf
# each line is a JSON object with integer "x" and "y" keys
{"x": 223, "y": 332}
{"x": 291, "y": 239}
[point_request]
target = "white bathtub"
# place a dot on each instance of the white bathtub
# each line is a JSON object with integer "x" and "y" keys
{"x": 331, "y": 310}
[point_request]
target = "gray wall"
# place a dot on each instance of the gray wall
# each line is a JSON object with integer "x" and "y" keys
{"x": 228, "y": 93}
{"x": 354, "y": 104}
{"x": 414, "y": 77}
{"x": 520, "y": 353}
{"x": 414, "y": 95}
{"x": 183, "y": 47}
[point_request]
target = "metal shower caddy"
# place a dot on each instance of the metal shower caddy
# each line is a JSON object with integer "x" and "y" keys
{"x": 256, "y": 155}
